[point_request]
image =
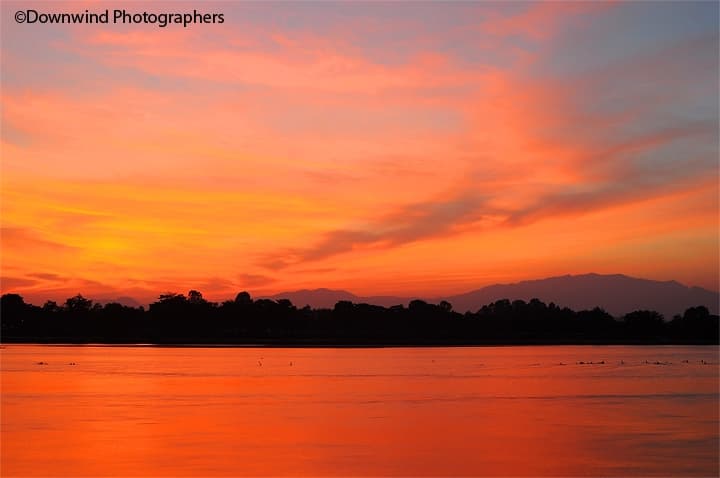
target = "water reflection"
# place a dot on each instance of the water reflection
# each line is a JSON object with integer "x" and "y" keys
{"x": 413, "y": 412}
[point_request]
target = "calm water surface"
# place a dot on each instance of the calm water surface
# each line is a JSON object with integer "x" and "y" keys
{"x": 346, "y": 412}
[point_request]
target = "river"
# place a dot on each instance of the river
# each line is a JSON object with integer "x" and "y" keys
{"x": 435, "y": 411}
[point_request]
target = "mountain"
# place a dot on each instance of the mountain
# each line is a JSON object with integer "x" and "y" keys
{"x": 327, "y": 298}
{"x": 124, "y": 300}
{"x": 315, "y": 298}
{"x": 618, "y": 294}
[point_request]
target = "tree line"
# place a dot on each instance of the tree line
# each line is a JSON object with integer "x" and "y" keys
{"x": 191, "y": 319}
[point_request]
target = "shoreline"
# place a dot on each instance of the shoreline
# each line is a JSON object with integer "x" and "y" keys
{"x": 344, "y": 345}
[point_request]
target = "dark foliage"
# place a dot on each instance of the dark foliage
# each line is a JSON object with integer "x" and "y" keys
{"x": 176, "y": 318}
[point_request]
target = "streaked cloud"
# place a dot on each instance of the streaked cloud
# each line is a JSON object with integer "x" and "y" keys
{"x": 381, "y": 148}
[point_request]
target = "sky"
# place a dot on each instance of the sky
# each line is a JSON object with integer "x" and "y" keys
{"x": 403, "y": 148}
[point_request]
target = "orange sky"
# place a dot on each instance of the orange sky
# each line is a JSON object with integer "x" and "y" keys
{"x": 407, "y": 149}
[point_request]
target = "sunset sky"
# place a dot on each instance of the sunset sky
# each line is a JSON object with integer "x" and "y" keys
{"x": 382, "y": 148}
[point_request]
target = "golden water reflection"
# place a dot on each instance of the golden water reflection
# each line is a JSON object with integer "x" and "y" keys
{"x": 129, "y": 411}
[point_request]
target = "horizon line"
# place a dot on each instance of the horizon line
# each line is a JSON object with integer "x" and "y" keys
{"x": 107, "y": 298}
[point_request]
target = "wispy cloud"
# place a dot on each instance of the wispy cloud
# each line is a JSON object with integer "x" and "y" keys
{"x": 360, "y": 143}
{"x": 411, "y": 223}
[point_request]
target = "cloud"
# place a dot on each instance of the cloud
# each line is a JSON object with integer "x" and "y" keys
{"x": 414, "y": 222}
{"x": 46, "y": 276}
{"x": 11, "y": 283}
{"x": 629, "y": 185}
{"x": 288, "y": 65}
{"x": 363, "y": 139}
{"x": 216, "y": 285}
{"x": 255, "y": 280}
{"x": 539, "y": 21}
{"x": 23, "y": 238}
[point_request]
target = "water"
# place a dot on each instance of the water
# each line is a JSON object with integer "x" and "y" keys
{"x": 345, "y": 412}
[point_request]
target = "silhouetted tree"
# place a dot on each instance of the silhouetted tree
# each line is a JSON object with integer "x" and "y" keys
{"x": 243, "y": 298}
{"x": 78, "y": 305}
{"x": 696, "y": 325}
{"x": 175, "y": 318}
{"x": 51, "y": 307}
{"x": 12, "y": 311}
{"x": 643, "y": 322}
{"x": 195, "y": 297}
{"x": 445, "y": 306}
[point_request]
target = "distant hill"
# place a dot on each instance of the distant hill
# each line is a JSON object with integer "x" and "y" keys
{"x": 618, "y": 294}
{"x": 124, "y": 300}
{"x": 327, "y": 298}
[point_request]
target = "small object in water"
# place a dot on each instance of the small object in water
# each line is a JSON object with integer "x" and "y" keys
{"x": 42, "y": 363}
{"x": 622, "y": 362}
{"x": 291, "y": 363}
{"x": 72, "y": 363}
{"x": 602, "y": 362}
{"x": 259, "y": 363}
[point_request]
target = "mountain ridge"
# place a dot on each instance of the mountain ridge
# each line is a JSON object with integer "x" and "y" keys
{"x": 618, "y": 294}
